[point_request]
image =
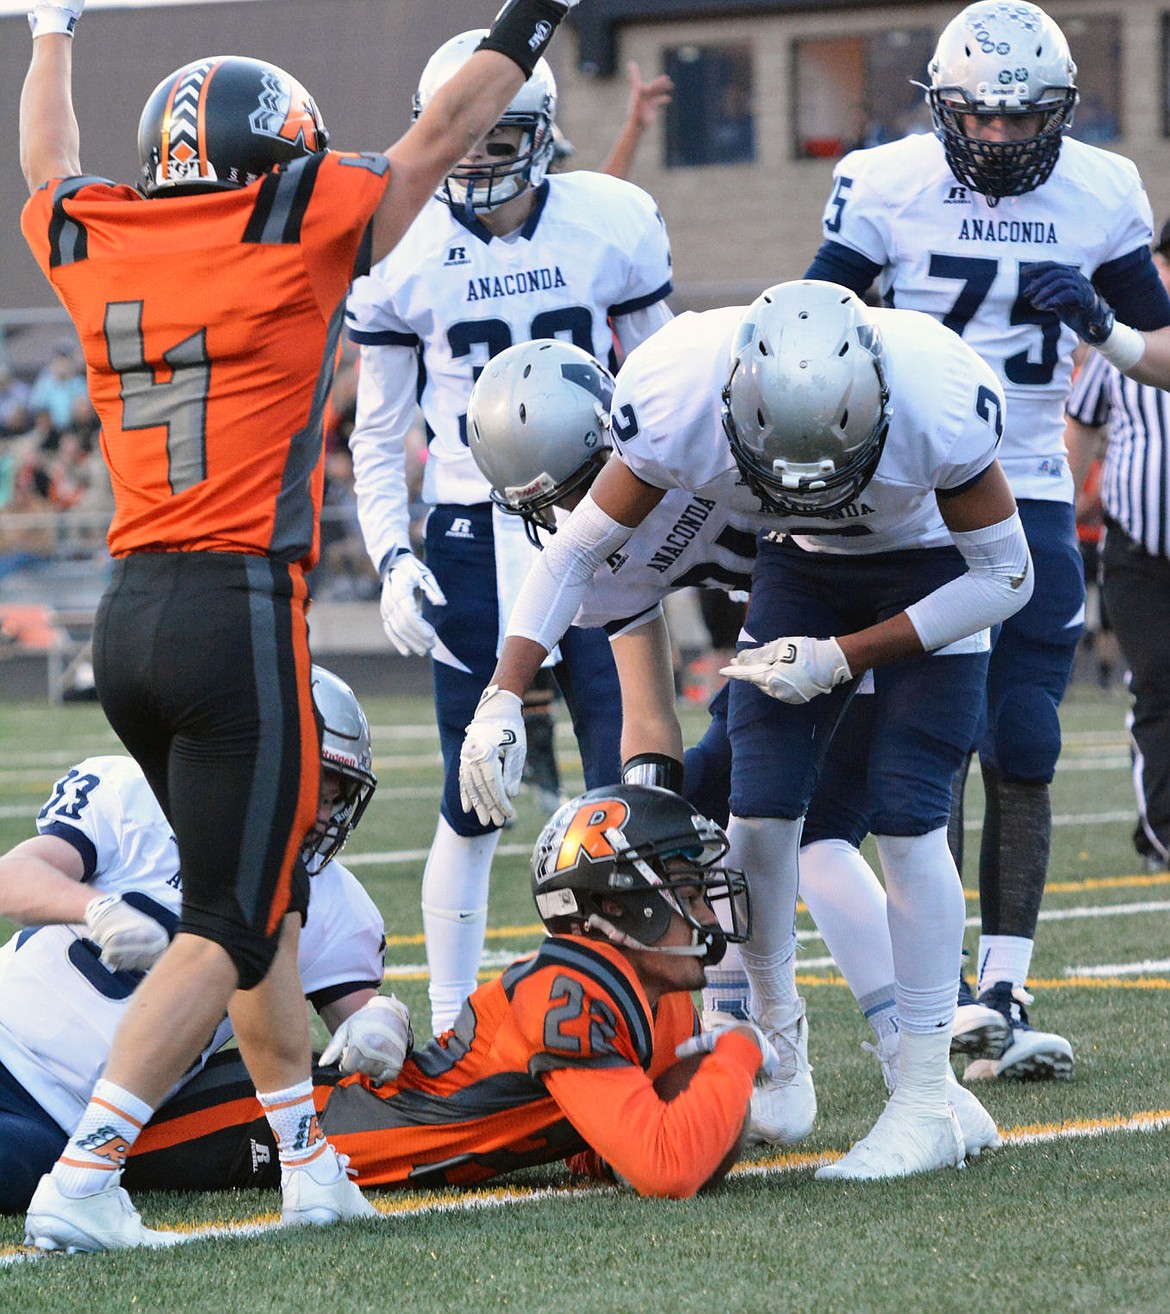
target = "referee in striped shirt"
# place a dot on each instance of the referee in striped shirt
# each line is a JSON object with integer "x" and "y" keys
{"x": 1135, "y": 560}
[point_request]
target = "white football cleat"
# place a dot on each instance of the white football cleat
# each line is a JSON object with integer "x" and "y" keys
{"x": 312, "y": 1202}
{"x": 106, "y": 1220}
{"x": 1030, "y": 1055}
{"x": 902, "y": 1141}
{"x": 784, "y": 1106}
{"x": 978, "y": 1126}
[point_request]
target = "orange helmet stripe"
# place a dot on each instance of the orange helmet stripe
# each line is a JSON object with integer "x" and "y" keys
{"x": 201, "y": 135}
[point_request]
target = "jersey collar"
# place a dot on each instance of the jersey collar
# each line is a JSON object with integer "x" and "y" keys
{"x": 478, "y": 229}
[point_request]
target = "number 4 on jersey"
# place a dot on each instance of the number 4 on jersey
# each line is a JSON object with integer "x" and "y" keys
{"x": 179, "y": 405}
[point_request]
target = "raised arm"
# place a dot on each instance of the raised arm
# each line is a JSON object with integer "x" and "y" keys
{"x": 50, "y": 143}
{"x": 646, "y": 99}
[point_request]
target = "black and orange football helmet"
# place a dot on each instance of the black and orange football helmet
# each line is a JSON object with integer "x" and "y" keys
{"x": 631, "y": 847}
{"x": 223, "y": 122}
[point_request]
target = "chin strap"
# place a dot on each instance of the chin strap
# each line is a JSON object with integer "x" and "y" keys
{"x": 709, "y": 946}
{"x": 595, "y": 922}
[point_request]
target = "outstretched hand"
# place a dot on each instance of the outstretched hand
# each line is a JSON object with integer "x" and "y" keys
{"x": 491, "y": 760}
{"x": 792, "y": 670}
{"x": 647, "y": 98}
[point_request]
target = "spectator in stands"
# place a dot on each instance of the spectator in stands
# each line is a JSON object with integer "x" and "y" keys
{"x": 57, "y": 385}
{"x": 14, "y": 412}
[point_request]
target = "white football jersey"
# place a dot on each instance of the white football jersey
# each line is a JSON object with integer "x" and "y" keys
{"x": 945, "y": 417}
{"x": 594, "y": 248}
{"x": 705, "y": 539}
{"x": 59, "y": 1004}
{"x": 947, "y": 252}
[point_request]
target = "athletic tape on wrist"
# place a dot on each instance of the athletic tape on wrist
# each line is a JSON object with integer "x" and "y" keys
{"x": 653, "y": 769}
{"x": 1123, "y": 348}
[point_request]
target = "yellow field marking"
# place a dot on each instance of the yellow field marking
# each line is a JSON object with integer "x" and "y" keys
{"x": 1040, "y": 983}
{"x": 418, "y": 1203}
{"x": 831, "y": 979}
{"x": 1053, "y": 887}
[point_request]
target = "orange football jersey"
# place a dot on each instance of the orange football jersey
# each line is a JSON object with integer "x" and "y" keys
{"x": 209, "y": 325}
{"x": 557, "y": 1053}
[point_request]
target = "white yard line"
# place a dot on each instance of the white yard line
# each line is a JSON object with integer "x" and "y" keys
{"x": 391, "y": 1206}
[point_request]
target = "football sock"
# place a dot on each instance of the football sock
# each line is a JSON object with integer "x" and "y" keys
{"x": 924, "y": 901}
{"x": 848, "y": 904}
{"x": 1013, "y": 859}
{"x": 292, "y": 1116}
{"x": 96, "y": 1152}
{"x": 1004, "y": 958}
{"x": 881, "y": 1011}
{"x": 773, "y": 985}
{"x": 727, "y": 989}
{"x": 454, "y": 907}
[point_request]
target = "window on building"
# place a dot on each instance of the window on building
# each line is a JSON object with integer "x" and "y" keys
{"x": 710, "y": 119}
{"x": 1095, "y": 44}
{"x": 858, "y": 91}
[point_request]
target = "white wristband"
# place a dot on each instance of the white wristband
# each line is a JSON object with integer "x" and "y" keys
{"x": 1123, "y": 348}
{"x": 46, "y": 19}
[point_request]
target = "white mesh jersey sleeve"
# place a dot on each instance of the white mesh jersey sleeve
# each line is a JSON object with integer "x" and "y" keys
{"x": 343, "y": 938}
{"x": 386, "y": 412}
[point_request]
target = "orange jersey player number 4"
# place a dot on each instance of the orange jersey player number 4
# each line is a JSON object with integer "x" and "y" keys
{"x": 211, "y": 402}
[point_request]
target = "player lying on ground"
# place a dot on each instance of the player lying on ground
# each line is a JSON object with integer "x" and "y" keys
{"x": 558, "y": 1054}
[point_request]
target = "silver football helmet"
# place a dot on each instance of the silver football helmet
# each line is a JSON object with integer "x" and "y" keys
{"x": 806, "y": 406}
{"x": 345, "y": 751}
{"x": 476, "y": 189}
{"x": 1001, "y": 57}
{"x": 538, "y": 426}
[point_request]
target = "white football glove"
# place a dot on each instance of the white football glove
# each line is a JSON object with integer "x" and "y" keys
{"x": 402, "y": 617}
{"x": 794, "y": 670}
{"x": 129, "y": 939}
{"x": 55, "y": 16}
{"x": 375, "y": 1040}
{"x": 715, "y": 1026}
{"x": 492, "y": 757}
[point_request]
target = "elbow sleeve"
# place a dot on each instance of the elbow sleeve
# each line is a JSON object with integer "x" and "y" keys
{"x": 997, "y": 583}
{"x": 556, "y": 584}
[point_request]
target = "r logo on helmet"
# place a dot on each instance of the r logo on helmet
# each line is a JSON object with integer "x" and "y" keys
{"x": 588, "y": 832}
